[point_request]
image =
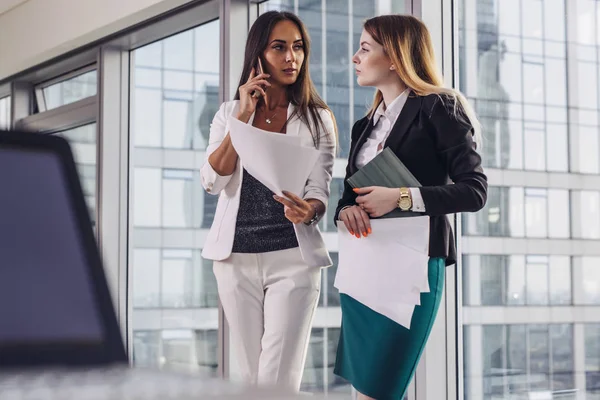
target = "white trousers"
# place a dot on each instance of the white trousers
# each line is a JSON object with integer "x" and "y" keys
{"x": 269, "y": 301}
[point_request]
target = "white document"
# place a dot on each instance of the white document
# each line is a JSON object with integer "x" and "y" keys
{"x": 278, "y": 161}
{"x": 387, "y": 270}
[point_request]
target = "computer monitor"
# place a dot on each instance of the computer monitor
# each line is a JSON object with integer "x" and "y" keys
{"x": 55, "y": 306}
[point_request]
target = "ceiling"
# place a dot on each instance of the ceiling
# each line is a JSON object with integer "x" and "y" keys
{"x": 6, "y": 5}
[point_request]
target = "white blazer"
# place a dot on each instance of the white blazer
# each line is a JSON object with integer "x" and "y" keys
{"x": 219, "y": 241}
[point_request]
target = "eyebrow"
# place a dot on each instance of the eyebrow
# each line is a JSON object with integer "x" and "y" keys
{"x": 284, "y": 42}
{"x": 365, "y": 42}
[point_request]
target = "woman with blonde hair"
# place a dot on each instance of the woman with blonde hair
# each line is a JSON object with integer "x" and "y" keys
{"x": 433, "y": 131}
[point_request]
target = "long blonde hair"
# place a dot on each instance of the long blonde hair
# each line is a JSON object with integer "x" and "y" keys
{"x": 407, "y": 42}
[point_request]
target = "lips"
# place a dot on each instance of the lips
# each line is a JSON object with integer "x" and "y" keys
{"x": 290, "y": 70}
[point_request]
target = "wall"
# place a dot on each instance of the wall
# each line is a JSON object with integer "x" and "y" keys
{"x": 38, "y": 30}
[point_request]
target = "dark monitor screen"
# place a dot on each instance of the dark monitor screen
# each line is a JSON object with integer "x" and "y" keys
{"x": 45, "y": 289}
{"x": 55, "y": 307}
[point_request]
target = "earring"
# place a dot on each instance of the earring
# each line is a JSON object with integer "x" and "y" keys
{"x": 392, "y": 67}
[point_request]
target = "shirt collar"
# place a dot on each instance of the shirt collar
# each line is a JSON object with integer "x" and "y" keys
{"x": 393, "y": 110}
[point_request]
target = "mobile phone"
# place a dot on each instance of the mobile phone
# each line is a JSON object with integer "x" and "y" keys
{"x": 258, "y": 70}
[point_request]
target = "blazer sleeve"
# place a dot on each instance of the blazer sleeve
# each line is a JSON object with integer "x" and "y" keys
{"x": 456, "y": 149}
{"x": 212, "y": 182}
{"x": 318, "y": 183}
{"x": 348, "y": 196}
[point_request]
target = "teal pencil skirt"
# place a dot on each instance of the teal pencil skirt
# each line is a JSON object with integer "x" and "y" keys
{"x": 377, "y": 355}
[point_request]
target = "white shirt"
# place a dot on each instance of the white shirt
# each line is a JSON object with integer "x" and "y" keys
{"x": 384, "y": 119}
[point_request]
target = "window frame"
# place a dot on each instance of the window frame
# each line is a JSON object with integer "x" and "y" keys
{"x": 40, "y": 97}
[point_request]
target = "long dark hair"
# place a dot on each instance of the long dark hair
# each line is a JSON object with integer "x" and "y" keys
{"x": 302, "y": 93}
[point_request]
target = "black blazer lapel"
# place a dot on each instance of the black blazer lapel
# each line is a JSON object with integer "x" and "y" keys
{"x": 407, "y": 115}
{"x": 362, "y": 138}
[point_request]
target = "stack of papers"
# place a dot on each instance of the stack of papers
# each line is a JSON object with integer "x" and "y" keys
{"x": 387, "y": 270}
{"x": 278, "y": 161}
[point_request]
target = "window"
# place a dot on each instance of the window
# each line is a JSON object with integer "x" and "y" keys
{"x": 5, "y": 112}
{"x": 513, "y": 74}
{"x": 516, "y": 280}
{"x": 83, "y": 144}
{"x": 174, "y": 96}
{"x": 537, "y": 97}
{"x": 590, "y": 274}
{"x": 519, "y": 361}
{"x": 587, "y": 214}
{"x": 521, "y": 212}
{"x": 592, "y": 360}
{"x": 67, "y": 90}
{"x": 318, "y": 372}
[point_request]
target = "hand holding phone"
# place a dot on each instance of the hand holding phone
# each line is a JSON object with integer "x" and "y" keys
{"x": 249, "y": 92}
{"x": 259, "y": 70}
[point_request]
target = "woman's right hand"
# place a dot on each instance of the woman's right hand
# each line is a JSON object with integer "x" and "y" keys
{"x": 357, "y": 221}
{"x": 247, "y": 101}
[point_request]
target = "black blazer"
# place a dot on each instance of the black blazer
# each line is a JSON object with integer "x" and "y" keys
{"x": 436, "y": 145}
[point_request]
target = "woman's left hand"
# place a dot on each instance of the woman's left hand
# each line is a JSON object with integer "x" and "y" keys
{"x": 377, "y": 200}
{"x": 296, "y": 209}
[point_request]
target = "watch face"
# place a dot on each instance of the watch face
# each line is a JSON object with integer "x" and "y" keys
{"x": 405, "y": 203}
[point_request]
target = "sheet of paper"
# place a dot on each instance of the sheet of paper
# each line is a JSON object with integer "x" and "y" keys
{"x": 398, "y": 312}
{"x": 278, "y": 161}
{"x": 388, "y": 268}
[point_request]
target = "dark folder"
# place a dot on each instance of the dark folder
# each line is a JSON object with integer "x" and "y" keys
{"x": 388, "y": 171}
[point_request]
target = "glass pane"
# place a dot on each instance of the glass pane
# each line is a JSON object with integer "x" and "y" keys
{"x": 5, "y": 113}
{"x": 71, "y": 90}
{"x": 559, "y": 221}
{"x": 536, "y": 212}
{"x": 539, "y": 111}
{"x": 535, "y": 143}
{"x": 589, "y": 209}
{"x": 83, "y": 144}
{"x": 557, "y": 147}
{"x": 174, "y": 96}
{"x": 560, "y": 280}
{"x": 515, "y": 281}
{"x": 588, "y": 160}
{"x": 592, "y": 361}
{"x": 537, "y": 280}
{"x": 590, "y": 274}
{"x": 146, "y": 278}
{"x": 492, "y": 280}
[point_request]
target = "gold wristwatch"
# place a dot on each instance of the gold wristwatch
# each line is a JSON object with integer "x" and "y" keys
{"x": 405, "y": 200}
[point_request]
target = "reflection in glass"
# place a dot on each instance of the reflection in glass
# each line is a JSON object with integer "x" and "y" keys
{"x": 502, "y": 280}
{"x": 83, "y": 144}
{"x": 71, "y": 90}
{"x": 518, "y": 361}
{"x": 539, "y": 112}
{"x": 590, "y": 274}
{"x": 536, "y": 212}
{"x": 537, "y": 280}
{"x": 174, "y": 96}
{"x": 589, "y": 212}
{"x": 588, "y": 160}
{"x": 146, "y": 278}
{"x": 592, "y": 361}
{"x": 560, "y": 280}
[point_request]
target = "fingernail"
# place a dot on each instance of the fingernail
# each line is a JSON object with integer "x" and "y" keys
{"x": 365, "y": 234}
{"x": 357, "y": 236}
{"x": 352, "y": 233}
{"x": 355, "y": 190}
{"x": 369, "y": 230}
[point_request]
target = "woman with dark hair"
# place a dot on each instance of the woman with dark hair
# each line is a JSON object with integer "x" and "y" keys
{"x": 267, "y": 250}
{"x": 433, "y": 131}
